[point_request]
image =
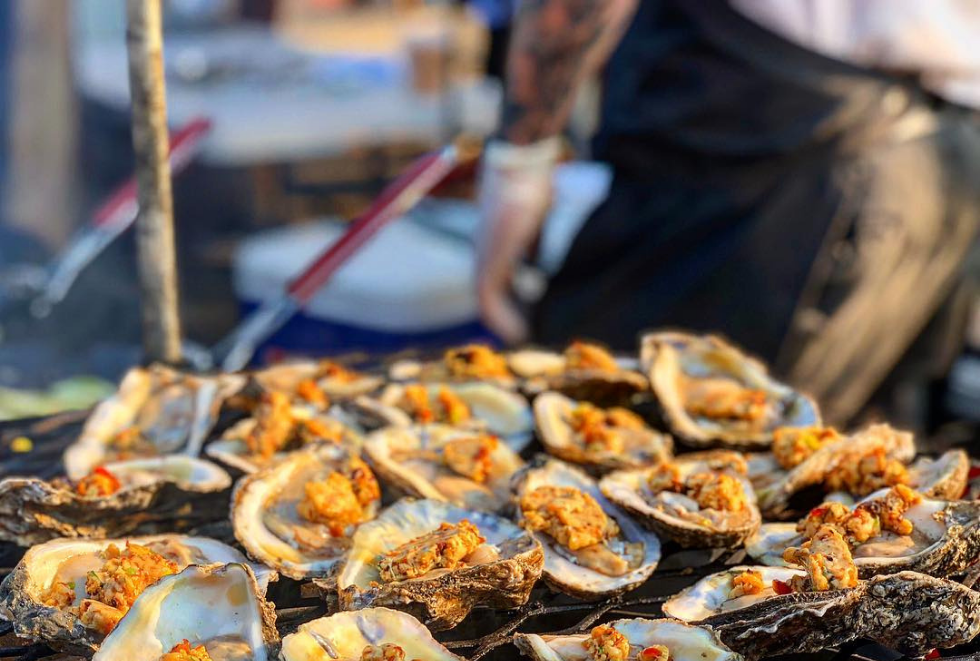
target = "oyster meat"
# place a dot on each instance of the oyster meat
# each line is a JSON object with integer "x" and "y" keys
{"x": 472, "y": 362}
{"x": 466, "y": 468}
{"x": 592, "y": 549}
{"x": 712, "y": 394}
{"x": 640, "y": 639}
{"x": 729, "y": 590}
{"x": 216, "y": 612}
{"x": 116, "y": 499}
{"x": 298, "y": 515}
{"x": 67, "y": 592}
{"x": 699, "y": 500}
{"x": 316, "y": 383}
{"x": 438, "y": 561}
{"x": 389, "y": 634}
{"x": 600, "y": 439}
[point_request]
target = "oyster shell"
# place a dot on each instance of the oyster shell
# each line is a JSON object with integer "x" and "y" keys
{"x": 34, "y": 511}
{"x": 344, "y": 635}
{"x": 22, "y": 593}
{"x": 945, "y": 540}
{"x": 684, "y": 641}
{"x": 909, "y": 612}
{"x": 472, "y": 362}
{"x": 562, "y": 570}
{"x": 162, "y": 410}
{"x": 712, "y": 594}
{"x": 635, "y": 447}
{"x": 415, "y": 462}
{"x": 332, "y": 379}
{"x": 218, "y": 606}
{"x": 675, "y": 516}
{"x": 266, "y": 518}
{"x": 500, "y": 573}
{"x": 613, "y": 384}
{"x": 698, "y": 379}
{"x": 943, "y": 478}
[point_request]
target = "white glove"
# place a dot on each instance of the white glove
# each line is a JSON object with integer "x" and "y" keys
{"x": 515, "y": 194}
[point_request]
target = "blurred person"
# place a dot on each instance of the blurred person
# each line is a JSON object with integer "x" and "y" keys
{"x": 802, "y": 176}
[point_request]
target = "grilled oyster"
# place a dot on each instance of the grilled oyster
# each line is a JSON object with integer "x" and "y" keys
{"x": 117, "y": 499}
{"x": 316, "y": 383}
{"x": 592, "y": 549}
{"x": 583, "y": 371}
{"x": 472, "y": 362}
{"x": 297, "y": 516}
{"x": 943, "y": 537}
{"x": 649, "y": 640}
{"x": 729, "y": 590}
{"x": 478, "y": 406}
{"x": 217, "y": 607}
{"x": 837, "y": 465}
{"x": 468, "y": 469}
{"x": 348, "y": 635}
{"x": 438, "y": 561}
{"x": 700, "y": 500}
{"x": 712, "y": 394}
{"x": 48, "y": 595}
{"x": 155, "y": 411}
{"x": 600, "y": 439}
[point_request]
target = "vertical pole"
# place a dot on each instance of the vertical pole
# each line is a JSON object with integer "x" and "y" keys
{"x": 154, "y": 226}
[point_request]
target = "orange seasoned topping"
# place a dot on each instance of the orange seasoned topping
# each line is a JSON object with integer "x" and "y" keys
{"x": 654, "y": 653}
{"x": 716, "y": 491}
{"x": 60, "y": 595}
{"x": 891, "y": 508}
{"x": 569, "y": 515}
{"x": 99, "y": 617}
{"x": 600, "y": 429}
{"x": 794, "y": 445}
{"x": 827, "y": 560}
{"x": 453, "y": 409}
{"x": 447, "y": 408}
{"x": 719, "y": 460}
{"x": 315, "y": 429}
{"x": 476, "y": 361}
{"x": 310, "y": 392}
{"x": 444, "y": 548}
{"x": 273, "y": 425}
{"x": 724, "y": 399}
{"x": 471, "y": 456}
{"x": 99, "y": 483}
{"x": 415, "y": 400}
{"x": 607, "y": 644}
{"x": 665, "y": 477}
{"x": 183, "y": 651}
{"x": 585, "y": 356}
{"x": 327, "y": 369}
{"x": 747, "y": 583}
{"x": 340, "y": 500}
{"x": 383, "y": 652}
{"x": 860, "y": 473}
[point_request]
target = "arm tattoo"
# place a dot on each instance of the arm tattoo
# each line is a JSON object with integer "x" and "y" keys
{"x": 556, "y": 45}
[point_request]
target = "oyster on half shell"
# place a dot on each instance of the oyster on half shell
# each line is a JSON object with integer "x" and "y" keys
{"x": 684, "y": 642}
{"x": 468, "y": 469}
{"x": 144, "y": 492}
{"x": 399, "y": 560}
{"x": 345, "y": 635}
{"x": 624, "y": 558}
{"x": 297, "y": 516}
{"x": 218, "y": 607}
{"x": 325, "y": 376}
{"x": 471, "y": 362}
{"x": 713, "y": 395}
{"x": 714, "y": 594}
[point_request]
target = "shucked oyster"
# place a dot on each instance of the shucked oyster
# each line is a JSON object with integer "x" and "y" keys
{"x": 438, "y": 561}
{"x": 155, "y": 411}
{"x": 699, "y": 500}
{"x": 214, "y": 612}
{"x": 600, "y": 439}
{"x": 472, "y": 362}
{"x": 638, "y": 639}
{"x": 592, "y": 549}
{"x": 66, "y": 592}
{"x": 466, "y": 468}
{"x": 298, "y": 515}
{"x": 116, "y": 499}
{"x": 889, "y": 531}
{"x": 712, "y": 394}
{"x": 316, "y": 382}
{"x": 389, "y": 635}
{"x": 730, "y": 590}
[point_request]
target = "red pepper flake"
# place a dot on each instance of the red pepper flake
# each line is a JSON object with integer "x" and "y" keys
{"x": 779, "y": 587}
{"x": 934, "y": 654}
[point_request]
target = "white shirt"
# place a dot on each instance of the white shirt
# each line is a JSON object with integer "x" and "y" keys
{"x": 937, "y": 39}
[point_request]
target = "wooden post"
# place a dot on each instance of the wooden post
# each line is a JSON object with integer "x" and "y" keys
{"x": 155, "y": 224}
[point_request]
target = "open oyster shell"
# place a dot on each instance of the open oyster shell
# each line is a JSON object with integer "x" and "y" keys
{"x": 286, "y": 377}
{"x": 173, "y": 412}
{"x": 544, "y": 370}
{"x": 680, "y": 364}
{"x": 344, "y": 635}
{"x": 70, "y": 560}
{"x": 629, "y": 490}
{"x": 265, "y": 518}
{"x": 943, "y": 478}
{"x": 711, "y": 595}
{"x": 945, "y": 540}
{"x": 513, "y": 563}
{"x": 685, "y": 642}
{"x": 641, "y": 447}
{"x": 775, "y": 487}
{"x": 411, "y": 460}
{"x": 218, "y": 606}
{"x": 153, "y": 489}
{"x": 909, "y": 612}
{"x": 561, "y": 570}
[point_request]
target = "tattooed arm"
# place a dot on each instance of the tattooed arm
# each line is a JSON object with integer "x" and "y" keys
{"x": 555, "y": 47}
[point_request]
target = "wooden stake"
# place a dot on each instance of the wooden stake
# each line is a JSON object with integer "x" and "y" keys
{"x": 154, "y": 226}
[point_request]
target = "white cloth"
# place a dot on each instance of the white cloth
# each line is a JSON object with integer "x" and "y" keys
{"x": 937, "y": 39}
